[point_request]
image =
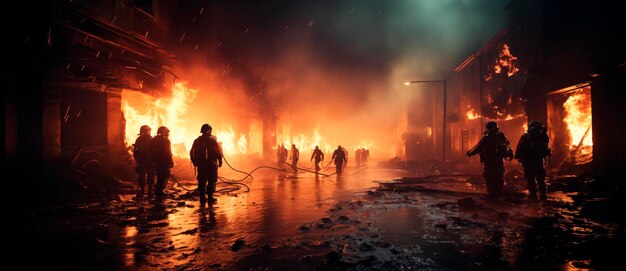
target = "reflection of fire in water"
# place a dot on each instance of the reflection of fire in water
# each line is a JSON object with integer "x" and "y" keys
{"x": 578, "y": 120}
{"x": 142, "y": 109}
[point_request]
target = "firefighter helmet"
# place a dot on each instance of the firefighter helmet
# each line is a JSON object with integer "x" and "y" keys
{"x": 206, "y": 128}
{"x": 163, "y": 130}
{"x": 534, "y": 124}
{"x": 491, "y": 125}
{"x": 144, "y": 130}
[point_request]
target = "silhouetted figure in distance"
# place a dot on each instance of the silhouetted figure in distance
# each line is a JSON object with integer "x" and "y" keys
{"x": 318, "y": 155}
{"x": 295, "y": 156}
{"x": 280, "y": 154}
{"x": 365, "y": 155}
{"x": 339, "y": 156}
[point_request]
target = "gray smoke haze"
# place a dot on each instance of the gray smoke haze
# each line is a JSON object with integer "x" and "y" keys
{"x": 335, "y": 65}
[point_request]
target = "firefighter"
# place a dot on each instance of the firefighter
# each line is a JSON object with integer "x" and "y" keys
{"x": 365, "y": 155}
{"x": 319, "y": 157}
{"x": 345, "y": 155}
{"x": 492, "y": 148}
{"x": 141, "y": 153}
{"x": 206, "y": 156}
{"x": 161, "y": 154}
{"x": 531, "y": 151}
{"x": 295, "y": 156}
{"x": 282, "y": 154}
{"x": 339, "y": 156}
{"x": 357, "y": 156}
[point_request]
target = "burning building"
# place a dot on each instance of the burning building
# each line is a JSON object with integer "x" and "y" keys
{"x": 575, "y": 80}
{"x": 96, "y": 72}
{"x": 64, "y": 93}
{"x": 567, "y": 74}
{"x": 489, "y": 86}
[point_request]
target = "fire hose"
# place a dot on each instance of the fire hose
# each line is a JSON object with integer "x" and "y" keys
{"x": 237, "y": 184}
{"x": 304, "y": 169}
{"x": 328, "y": 175}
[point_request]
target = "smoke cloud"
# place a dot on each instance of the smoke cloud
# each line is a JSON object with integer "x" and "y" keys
{"x": 334, "y": 67}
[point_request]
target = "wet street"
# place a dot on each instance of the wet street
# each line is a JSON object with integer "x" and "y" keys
{"x": 491, "y": 134}
{"x": 362, "y": 220}
{"x": 127, "y": 233}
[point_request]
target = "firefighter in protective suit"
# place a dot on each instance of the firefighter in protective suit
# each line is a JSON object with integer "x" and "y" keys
{"x": 493, "y": 147}
{"x": 141, "y": 153}
{"x": 531, "y": 151}
{"x": 339, "y": 156}
{"x": 318, "y": 155}
{"x": 295, "y": 156}
{"x": 161, "y": 154}
{"x": 206, "y": 156}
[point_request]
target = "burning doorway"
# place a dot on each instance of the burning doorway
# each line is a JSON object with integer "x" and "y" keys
{"x": 569, "y": 119}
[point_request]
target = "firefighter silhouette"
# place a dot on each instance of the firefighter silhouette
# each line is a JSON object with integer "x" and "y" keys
{"x": 281, "y": 154}
{"x": 295, "y": 156}
{"x": 532, "y": 149}
{"x": 318, "y": 155}
{"x": 365, "y": 155}
{"x": 206, "y": 156}
{"x": 141, "y": 153}
{"x": 357, "y": 156}
{"x": 161, "y": 154}
{"x": 339, "y": 156}
{"x": 493, "y": 147}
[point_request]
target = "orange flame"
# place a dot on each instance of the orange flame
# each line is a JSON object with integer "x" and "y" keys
{"x": 159, "y": 112}
{"x": 175, "y": 112}
{"x": 578, "y": 120}
{"x": 142, "y": 109}
{"x": 506, "y": 62}
{"x": 510, "y": 117}
{"x": 230, "y": 144}
{"x": 471, "y": 115}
